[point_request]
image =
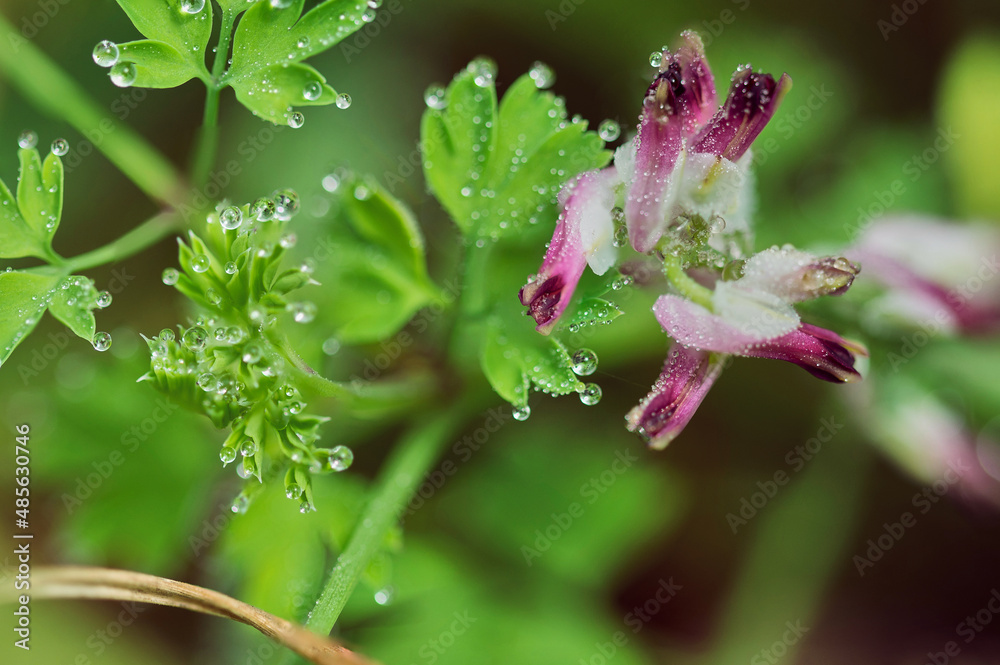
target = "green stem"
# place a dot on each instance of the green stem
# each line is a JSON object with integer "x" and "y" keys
{"x": 410, "y": 461}
{"x": 208, "y": 138}
{"x": 52, "y": 90}
{"x": 686, "y": 286}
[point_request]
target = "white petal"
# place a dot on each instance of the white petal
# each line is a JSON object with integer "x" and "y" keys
{"x": 757, "y": 313}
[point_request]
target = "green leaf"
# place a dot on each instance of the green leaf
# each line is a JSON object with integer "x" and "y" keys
{"x": 514, "y": 356}
{"x": 236, "y": 7}
{"x": 164, "y": 22}
{"x": 158, "y": 64}
{"x": 496, "y": 171}
{"x": 23, "y": 299}
{"x": 377, "y": 262}
{"x": 270, "y": 41}
{"x": 16, "y": 239}
{"x": 73, "y": 305}
{"x": 591, "y": 312}
{"x": 275, "y": 90}
{"x": 39, "y": 192}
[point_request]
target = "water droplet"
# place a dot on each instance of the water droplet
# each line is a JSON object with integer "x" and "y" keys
{"x": 286, "y": 204}
{"x": 483, "y": 70}
{"x": 102, "y": 341}
{"x": 288, "y": 240}
{"x": 521, "y": 412}
{"x": 296, "y": 120}
{"x": 281, "y": 4}
{"x": 293, "y": 491}
{"x": 302, "y": 312}
{"x": 208, "y": 382}
{"x": 170, "y": 276}
{"x": 343, "y": 100}
{"x": 331, "y": 346}
{"x": 374, "y": 4}
{"x": 192, "y": 6}
{"x": 331, "y": 182}
{"x": 123, "y": 74}
{"x": 303, "y": 42}
{"x": 435, "y": 97}
{"x": 362, "y": 193}
{"x": 591, "y": 394}
{"x": 227, "y": 455}
{"x": 106, "y": 53}
{"x": 313, "y": 91}
{"x": 195, "y": 338}
{"x": 200, "y": 263}
{"x": 656, "y": 58}
{"x": 542, "y": 75}
{"x": 241, "y": 503}
{"x": 248, "y": 448}
{"x": 340, "y": 458}
{"x": 167, "y": 335}
{"x": 251, "y": 354}
{"x": 27, "y": 139}
{"x": 306, "y": 507}
{"x": 584, "y": 362}
{"x": 368, "y": 15}
{"x": 230, "y": 268}
{"x": 231, "y": 217}
{"x": 609, "y": 130}
{"x": 59, "y": 147}
{"x": 103, "y": 299}
{"x": 262, "y": 209}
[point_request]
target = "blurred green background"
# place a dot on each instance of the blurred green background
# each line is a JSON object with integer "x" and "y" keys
{"x": 458, "y": 585}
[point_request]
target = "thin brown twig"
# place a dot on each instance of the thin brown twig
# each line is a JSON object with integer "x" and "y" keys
{"x": 109, "y": 584}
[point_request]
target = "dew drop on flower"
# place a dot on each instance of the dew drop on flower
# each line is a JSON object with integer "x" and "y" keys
{"x": 296, "y": 120}
{"x": 542, "y": 75}
{"x": 103, "y": 299}
{"x": 248, "y": 448}
{"x": 656, "y": 58}
{"x": 313, "y": 91}
{"x": 584, "y": 362}
{"x": 609, "y": 130}
{"x": 343, "y": 100}
{"x": 106, "y": 53}
{"x": 230, "y": 267}
{"x": 195, "y": 338}
{"x": 123, "y": 74}
{"x": 227, "y": 455}
{"x": 293, "y": 491}
{"x": 192, "y": 6}
{"x": 262, "y": 209}
{"x": 170, "y": 276}
{"x": 340, "y": 458}
{"x": 521, "y": 412}
{"x": 231, "y": 217}
{"x": 434, "y": 97}
{"x": 59, "y": 147}
{"x": 591, "y": 394}
{"x": 102, "y": 341}
{"x": 167, "y": 335}
{"x": 27, "y": 140}
{"x": 200, "y": 263}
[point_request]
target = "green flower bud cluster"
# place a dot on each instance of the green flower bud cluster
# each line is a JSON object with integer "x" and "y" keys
{"x": 227, "y": 364}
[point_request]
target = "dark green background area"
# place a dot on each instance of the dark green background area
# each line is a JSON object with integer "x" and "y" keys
{"x": 866, "y": 102}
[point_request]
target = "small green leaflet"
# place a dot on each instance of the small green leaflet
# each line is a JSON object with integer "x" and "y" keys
{"x": 28, "y": 224}
{"x": 496, "y": 169}
{"x": 175, "y": 45}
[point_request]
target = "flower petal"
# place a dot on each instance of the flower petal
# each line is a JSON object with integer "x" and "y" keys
{"x": 823, "y": 353}
{"x": 687, "y": 376}
{"x": 753, "y": 99}
{"x": 794, "y": 276}
{"x": 584, "y": 233}
{"x": 743, "y": 319}
{"x": 698, "y": 101}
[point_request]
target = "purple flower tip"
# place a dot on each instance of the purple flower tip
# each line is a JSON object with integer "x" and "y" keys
{"x": 823, "y": 353}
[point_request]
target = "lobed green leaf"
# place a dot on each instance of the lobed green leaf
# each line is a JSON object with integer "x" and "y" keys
{"x": 158, "y": 64}
{"x": 23, "y": 299}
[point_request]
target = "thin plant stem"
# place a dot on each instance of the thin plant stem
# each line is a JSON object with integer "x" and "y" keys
{"x": 409, "y": 463}
{"x": 208, "y": 138}
{"x": 686, "y": 286}
{"x": 55, "y": 92}
{"x": 138, "y": 239}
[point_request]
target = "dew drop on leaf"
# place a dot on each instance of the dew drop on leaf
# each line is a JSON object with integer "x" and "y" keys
{"x": 343, "y": 100}
{"x": 106, "y": 53}
{"x": 27, "y": 139}
{"x": 102, "y": 341}
{"x": 124, "y": 74}
{"x": 170, "y": 276}
{"x": 296, "y": 120}
{"x": 59, "y": 147}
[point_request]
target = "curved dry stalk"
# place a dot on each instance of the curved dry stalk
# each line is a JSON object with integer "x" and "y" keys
{"x": 109, "y": 584}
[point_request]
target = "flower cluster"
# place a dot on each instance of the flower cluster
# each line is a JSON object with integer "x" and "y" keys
{"x": 230, "y": 364}
{"x": 682, "y": 188}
